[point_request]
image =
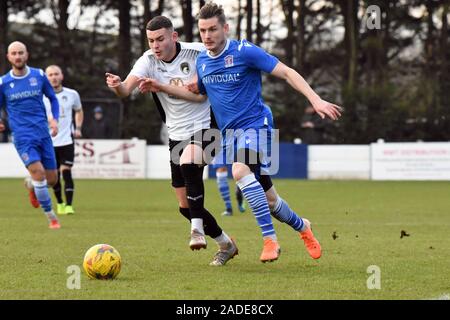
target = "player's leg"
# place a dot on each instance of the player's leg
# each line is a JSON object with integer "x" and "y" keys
{"x": 57, "y": 187}
{"x": 240, "y": 199}
{"x": 69, "y": 188}
{"x": 281, "y": 211}
{"x": 224, "y": 190}
{"x": 192, "y": 170}
{"x": 209, "y": 223}
{"x": 31, "y": 195}
{"x": 211, "y": 228}
{"x": 35, "y": 155}
{"x": 40, "y": 184}
{"x": 246, "y": 172}
{"x": 67, "y": 158}
{"x": 192, "y": 166}
{"x": 254, "y": 194}
{"x": 51, "y": 175}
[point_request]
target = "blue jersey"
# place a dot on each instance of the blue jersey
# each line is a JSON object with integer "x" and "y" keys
{"x": 22, "y": 96}
{"x": 232, "y": 81}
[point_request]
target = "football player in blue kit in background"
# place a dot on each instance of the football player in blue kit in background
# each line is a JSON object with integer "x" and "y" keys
{"x": 21, "y": 92}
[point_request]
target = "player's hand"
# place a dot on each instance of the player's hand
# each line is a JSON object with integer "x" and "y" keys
{"x": 2, "y": 126}
{"x": 193, "y": 87}
{"x": 325, "y": 108}
{"x": 77, "y": 134}
{"x": 112, "y": 80}
{"x": 149, "y": 85}
{"x": 53, "y": 127}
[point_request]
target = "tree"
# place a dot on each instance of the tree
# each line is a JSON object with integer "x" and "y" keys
{"x": 239, "y": 20}
{"x": 61, "y": 16}
{"x": 146, "y": 17}
{"x": 300, "y": 43}
{"x": 188, "y": 20}
{"x": 249, "y": 9}
{"x": 3, "y": 34}
{"x": 288, "y": 10}
{"x": 259, "y": 29}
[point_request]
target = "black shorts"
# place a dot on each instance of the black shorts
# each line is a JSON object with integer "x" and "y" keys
{"x": 65, "y": 155}
{"x": 175, "y": 168}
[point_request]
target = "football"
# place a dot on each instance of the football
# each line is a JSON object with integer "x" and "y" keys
{"x": 102, "y": 261}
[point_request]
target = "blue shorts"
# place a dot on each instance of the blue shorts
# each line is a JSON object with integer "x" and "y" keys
{"x": 260, "y": 145}
{"x": 32, "y": 150}
{"x": 219, "y": 161}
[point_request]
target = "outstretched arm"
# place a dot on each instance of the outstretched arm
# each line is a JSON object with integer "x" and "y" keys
{"x": 296, "y": 81}
{"x": 121, "y": 88}
{"x": 151, "y": 85}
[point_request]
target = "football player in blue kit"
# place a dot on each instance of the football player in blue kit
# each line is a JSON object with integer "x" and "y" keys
{"x": 21, "y": 92}
{"x": 229, "y": 73}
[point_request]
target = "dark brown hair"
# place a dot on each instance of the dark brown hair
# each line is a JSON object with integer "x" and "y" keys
{"x": 211, "y": 10}
{"x": 159, "y": 22}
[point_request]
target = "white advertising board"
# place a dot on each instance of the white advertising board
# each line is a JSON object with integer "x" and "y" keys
{"x": 110, "y": 159}
{"x": 410, "y": 161}
{"x": 339, "y": 162}
{"x": 11, "y": 166}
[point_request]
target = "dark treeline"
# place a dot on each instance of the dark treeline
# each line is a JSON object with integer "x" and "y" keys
{"x": 393, "y": 81}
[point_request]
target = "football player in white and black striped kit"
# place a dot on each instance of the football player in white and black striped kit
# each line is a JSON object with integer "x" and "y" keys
{"x": 69, "y": 103}
{"x": 173, "y": 62}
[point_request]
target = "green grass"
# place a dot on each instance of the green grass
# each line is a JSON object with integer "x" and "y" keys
{"x": 141, "y": 220}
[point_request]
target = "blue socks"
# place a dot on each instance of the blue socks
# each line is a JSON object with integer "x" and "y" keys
{"x": 256, "y": 198}
{"x": 222, "y": 184}
{"x": 283, "y": 213}
{"x": 43, "y": 196}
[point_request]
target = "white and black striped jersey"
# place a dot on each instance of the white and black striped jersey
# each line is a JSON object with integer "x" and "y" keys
{"x": 69, "y": 100}
{"x": 182, "y": 117}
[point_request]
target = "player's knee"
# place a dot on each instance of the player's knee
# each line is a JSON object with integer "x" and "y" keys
{"x": 272, "y": 202}
{"x": 191, "y": 171}
{"x": 67, "y": 176}
{"x": 222, "y": 169}
{"x": 52, "y": 179}
{"x": 183, "y": 203}
{"x": 192, "y": 154}
{"x": 240, "y": 170}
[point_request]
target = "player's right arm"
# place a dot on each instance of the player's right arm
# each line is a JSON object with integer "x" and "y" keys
{"x": 121, "y": 88}
{"x": 2, "y": 125}
{"x": 152, "y": 85}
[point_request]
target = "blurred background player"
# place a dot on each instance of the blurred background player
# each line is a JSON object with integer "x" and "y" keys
{"x": 21, "y": 91}
{"x": 224, "y": 189}
{"x": 69, "y": 102}
{"x": 171, "y": 61}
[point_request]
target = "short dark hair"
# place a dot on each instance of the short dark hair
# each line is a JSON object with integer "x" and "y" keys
{"x": 211, "y": 10}
{"x": 159, "y": 22}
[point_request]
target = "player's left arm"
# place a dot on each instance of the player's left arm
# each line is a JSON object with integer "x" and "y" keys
{"x": 258, "y": 58}
{"x": 79, "y": 116}
{"x": 296, "y": 81}
{"x": 50, "y": 94}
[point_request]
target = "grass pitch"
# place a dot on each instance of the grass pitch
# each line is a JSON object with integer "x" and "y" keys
{"x": 359, "y": 224}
